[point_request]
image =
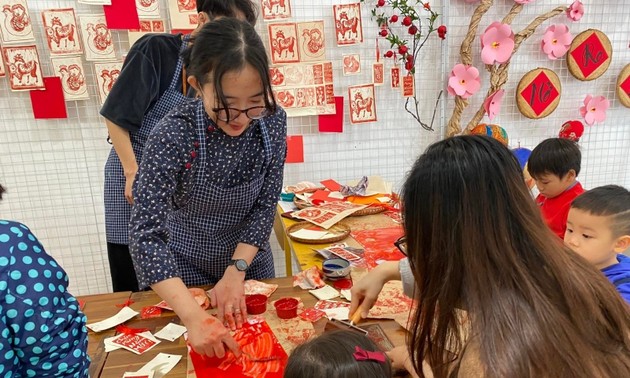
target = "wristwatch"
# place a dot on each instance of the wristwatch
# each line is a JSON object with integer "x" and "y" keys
{"x": 240, "y": 264}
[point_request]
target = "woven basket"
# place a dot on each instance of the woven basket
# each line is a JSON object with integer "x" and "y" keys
{"x": 341, "y": 231}
{"x": 370, "y": 210}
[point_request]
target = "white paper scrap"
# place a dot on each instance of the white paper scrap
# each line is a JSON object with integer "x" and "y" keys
{"x": 339, "y": 313}
{"x": 122, "y": 316}
{"x": 325, "y": 292}
{"x": 161, "y": 364}
{"x": 171, "y": 332}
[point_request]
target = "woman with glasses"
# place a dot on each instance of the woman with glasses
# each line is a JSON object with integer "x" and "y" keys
{"x": 476, "y": 242}
{"x": 209, "y": 182}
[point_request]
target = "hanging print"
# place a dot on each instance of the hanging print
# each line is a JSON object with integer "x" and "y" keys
{"x": 275, "y": 9}
{"x": 70, "y": 70}
{"x": 15, "y": 22}
{"x": 23, "y": 68}
{"x": 348, "y": 28}
{"x": 62, "y": 36}
{"x": 362, "y": 103}
{"x": 97, "y": 38}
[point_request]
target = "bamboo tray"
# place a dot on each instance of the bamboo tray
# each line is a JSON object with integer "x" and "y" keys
{"x": 340, "y": 231}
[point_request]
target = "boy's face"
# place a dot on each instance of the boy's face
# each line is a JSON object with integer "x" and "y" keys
{"x": 591, "y": 237}
{"x": 550, "y": 185}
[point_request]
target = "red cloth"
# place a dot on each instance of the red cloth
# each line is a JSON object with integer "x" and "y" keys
{"x": 555, "y": 210}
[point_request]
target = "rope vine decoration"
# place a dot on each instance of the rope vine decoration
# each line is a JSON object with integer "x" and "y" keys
{"x": 498, "y": 73}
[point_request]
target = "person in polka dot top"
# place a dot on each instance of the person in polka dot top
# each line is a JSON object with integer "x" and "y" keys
{"x": 42, "y": 329}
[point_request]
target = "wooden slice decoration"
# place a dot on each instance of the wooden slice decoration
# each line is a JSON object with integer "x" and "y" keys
{"x": 538, "y": 93}
{"x": 590, "y": 55}
{"x": 623, "y": 86}
{"x": 337, "y": 232}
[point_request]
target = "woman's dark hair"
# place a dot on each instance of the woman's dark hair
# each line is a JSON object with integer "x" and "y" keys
{"x": 227, "y": 45}
{"x": 556, "y": 156}
{"x": 228, "y": 8}
{"x": 2, "y": 191}
{"x": 476, "y": 241}
{"x": 330, "y": 355}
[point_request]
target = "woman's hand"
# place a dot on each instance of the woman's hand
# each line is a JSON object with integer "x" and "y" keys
{"x": 129, "y": 179}
{"x": 207, "y": 336}
{"x": 228, "y": 296}
{"x": 401, "y": 360}
{"x": 366, "y": 291}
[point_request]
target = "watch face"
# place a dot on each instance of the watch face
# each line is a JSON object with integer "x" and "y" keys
{"x": 241, "y": 265}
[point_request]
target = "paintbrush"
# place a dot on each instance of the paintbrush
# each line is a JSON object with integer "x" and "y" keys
{"x": 355, "y": 318}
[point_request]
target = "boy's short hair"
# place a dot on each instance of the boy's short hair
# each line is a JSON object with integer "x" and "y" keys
{"x": 608, "y": 201}
{"x": 556, "y": 156}
{"x": 228, "y": 8}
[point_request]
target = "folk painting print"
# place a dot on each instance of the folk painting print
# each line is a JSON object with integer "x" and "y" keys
{"x": 15, "y": 24}
{"x": 106, "y": 75}
{"x": 62, "y": 34}
{"x": 378, "y": 73}
{"x": 283, "y": 41}
{"x": 311, "y": 36}
{"x": 351, "y": 64}
{"x": 362, "y": 103}
{"x": 148, "y": 8}
{"x": 285, "y": 98}
{"x": 70, "y": 70}
{"x": 275, "y": 9}
{"x": 3, "y": 73}
{"x": 294, "y": 74}
{"x": 395, "y": 75}
{"x": 276, "y": 75}
{"x": 97, "y": 38}
{"x": 183, "y": 14}
{"x": 23, "y": 68}
{"x": 305, "y": 97}
{"x": 146, "y": 26}
{"x": 348, "y": 27}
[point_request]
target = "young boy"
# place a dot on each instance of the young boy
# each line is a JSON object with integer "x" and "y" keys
{"x": 555, "y": 164}
{"x": 598, "y": 229}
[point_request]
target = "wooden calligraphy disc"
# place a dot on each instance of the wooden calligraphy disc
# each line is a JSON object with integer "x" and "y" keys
{"x": 538, "y": 93}
{"x": 590, "y": 55}
{"x": 623, "y": 86}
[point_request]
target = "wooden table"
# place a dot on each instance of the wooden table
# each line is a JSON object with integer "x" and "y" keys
{"x": 114, "y": 364}
{"x": 305, "y": 254}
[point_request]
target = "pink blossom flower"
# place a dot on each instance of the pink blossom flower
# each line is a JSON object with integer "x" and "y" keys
{"x": 497, "y": 43}
{"x": 464, "y": 81}
{"x": 523, "y": 2}
{"x": 575, "y": 10}
{"x": 594, "y": 109}
{"x": 492, "y": 105}
{"x": 556, "y": 41}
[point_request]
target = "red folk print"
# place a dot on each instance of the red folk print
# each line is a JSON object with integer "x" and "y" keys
{"x": 277, "y": 76}
{"x": 59, "y": 32}
{"x": 23, "y": 67}
{"x": 395, "y": 73}
{"x": 590, "y": 55}
{"x": 101, "y": 36}
{"x": 283, "y": 42}
{"x": 362, "y": 108}
{"x": 348, "y": 28}
{"x": 73, "y": 77}
{"x": 109, "y": 78}
{"x": 186, "y": 5}
{"x": 275, "y": 9}
{"x": 286, "y": 98}
{"x": 147, "y": 3}
{"x": 540, "y": 93}
{"x": 311, "y": 40}
{"x": 24, "y": 71}
{"x": 16, "y": 17}
{"x": 62, "y": 36}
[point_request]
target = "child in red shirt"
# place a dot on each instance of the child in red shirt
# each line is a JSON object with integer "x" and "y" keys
{"x": 555, "y": 164}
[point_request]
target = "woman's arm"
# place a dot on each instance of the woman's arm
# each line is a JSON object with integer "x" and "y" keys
{"x": 366, "y": 291}
{"x": 122, "y": 145}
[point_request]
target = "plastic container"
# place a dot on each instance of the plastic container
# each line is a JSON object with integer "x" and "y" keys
{"x": 286, "y": 308}
{"x": 256, "y": 304}
{"x": 336, "y": 268}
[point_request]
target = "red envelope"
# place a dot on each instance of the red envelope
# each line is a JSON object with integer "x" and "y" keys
{"x": 122, "y": 14}
{"x": 322, "y": 195}
{"x": 332, "y": 123}
{"x": 295, "y": 149}
{"x": 331, "y": 185}
{"x": 50, "y": 102}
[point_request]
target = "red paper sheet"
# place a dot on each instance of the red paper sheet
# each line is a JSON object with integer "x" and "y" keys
{"x": 379, "y": 244}
{"x": 256, "y": 340}
{"x": 49, "y": 103}
{"x": 333, "y": 123}
{"x": 122, "y": 14}
{"x": 295, "y": 149}
{"x": 331, "y": 185}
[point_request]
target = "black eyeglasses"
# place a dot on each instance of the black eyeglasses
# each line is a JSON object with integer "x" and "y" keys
{"x": 401, "y": 244}
{"x": 230, "y": 114}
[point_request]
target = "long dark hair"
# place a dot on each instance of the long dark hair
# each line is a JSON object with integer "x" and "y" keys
{"x": 476, "y": 241}
{"x": 227, "y": 45}
{"x": 331, "y": 356}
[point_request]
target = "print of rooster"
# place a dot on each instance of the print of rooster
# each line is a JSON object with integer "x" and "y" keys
{"x": 15, "y": 17}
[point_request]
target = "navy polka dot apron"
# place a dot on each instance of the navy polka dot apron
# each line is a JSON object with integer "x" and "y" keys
{"x": 204, "y": 232}
{"x": 117, "y": 209}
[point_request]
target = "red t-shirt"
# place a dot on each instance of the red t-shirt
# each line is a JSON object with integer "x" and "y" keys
{"x": 555, "y": 210}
